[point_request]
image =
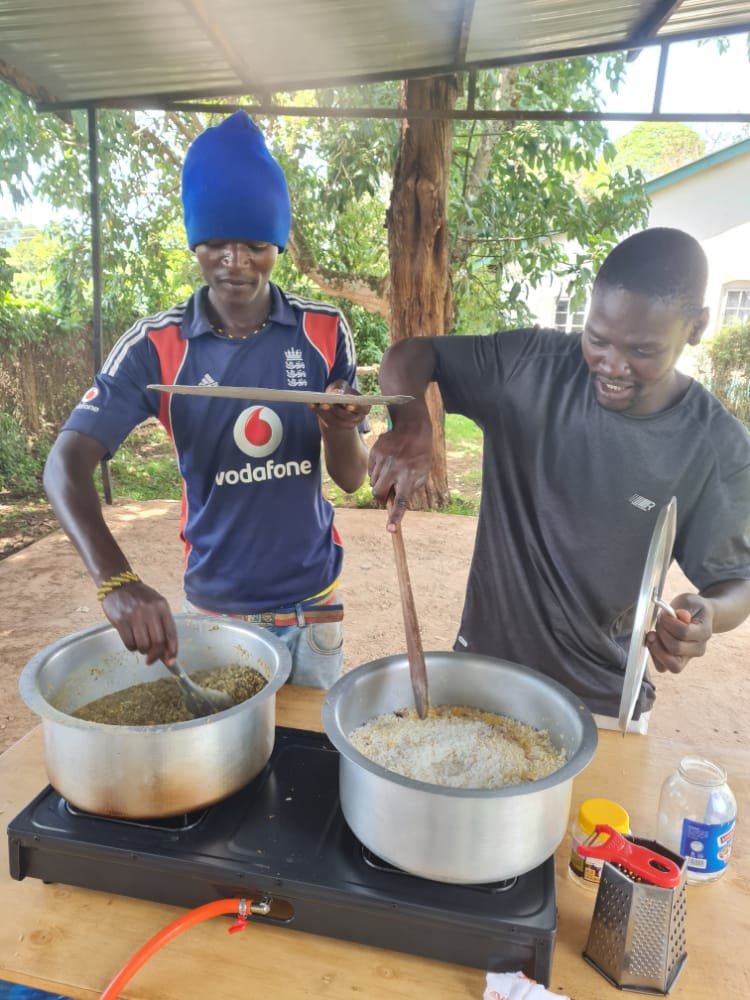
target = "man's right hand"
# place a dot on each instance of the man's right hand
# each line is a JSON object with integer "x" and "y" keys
{"x": 144, "y": 621}
{"x": 138, "y": 612}
{"x": 400, "y": 459}
{"x": 399, "y": 464}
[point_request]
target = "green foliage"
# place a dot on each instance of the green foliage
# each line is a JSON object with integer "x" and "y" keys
{"x": 143, "y": 250}
{"x": 362, "y": 498}
{"x": 648, "y": 150}
{"x": 370, "y": 333}
{"x": 724, "y": 368}
{"x": 144, "y": 467}
{"x": 512, "y": 222}
{"x": 462, "y": 432}
{"x": 24, "y": 321}
{"x": 20, "y": 467}
{"x": 30, "y": 257}
{"x": 514, "y": 206}
{"x": 460, "y": 504}
{"x": 655, "y": 148}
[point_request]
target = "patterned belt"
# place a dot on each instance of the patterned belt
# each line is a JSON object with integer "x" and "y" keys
{"x": 302, "y": 616}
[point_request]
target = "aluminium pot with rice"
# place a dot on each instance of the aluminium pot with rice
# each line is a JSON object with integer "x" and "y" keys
{"x": 448, "y": 833}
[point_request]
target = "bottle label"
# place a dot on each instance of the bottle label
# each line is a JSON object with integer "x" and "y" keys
{"x": 706, "y": 846}
{"x": 588, "y": 869}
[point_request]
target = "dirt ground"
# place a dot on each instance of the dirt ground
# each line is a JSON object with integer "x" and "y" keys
{"x": 45, "y": 594}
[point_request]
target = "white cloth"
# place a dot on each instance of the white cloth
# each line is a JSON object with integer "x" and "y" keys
{"x": 516, "y": 986}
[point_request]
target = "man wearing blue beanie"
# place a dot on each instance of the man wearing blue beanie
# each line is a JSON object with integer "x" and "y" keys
{"x": 260, "y": 540}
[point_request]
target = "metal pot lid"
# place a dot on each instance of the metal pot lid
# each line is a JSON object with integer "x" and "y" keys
{"x": 649, "y": 601}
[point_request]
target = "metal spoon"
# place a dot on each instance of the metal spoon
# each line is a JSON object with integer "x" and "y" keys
{"x": 199, "y": 701}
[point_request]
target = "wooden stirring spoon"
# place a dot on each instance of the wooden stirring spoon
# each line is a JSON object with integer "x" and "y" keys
{"x": 414, "y": 652}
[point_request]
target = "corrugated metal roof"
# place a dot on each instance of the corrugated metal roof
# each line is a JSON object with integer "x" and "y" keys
{"x": 77, "y": 51}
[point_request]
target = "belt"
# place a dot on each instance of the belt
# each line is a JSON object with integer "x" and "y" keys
{"x": 303, "y": 616}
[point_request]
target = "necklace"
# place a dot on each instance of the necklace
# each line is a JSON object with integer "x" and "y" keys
{"x": 239, "y": 336}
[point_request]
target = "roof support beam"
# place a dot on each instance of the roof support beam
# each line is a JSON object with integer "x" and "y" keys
{"x": 463, "y": 36}
{"x": 645, "y": 29}
{"x": 458, "y": 114}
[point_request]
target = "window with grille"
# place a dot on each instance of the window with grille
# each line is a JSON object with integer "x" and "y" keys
{"x": 736, "y": 308}
{"x": 570, "y": 320}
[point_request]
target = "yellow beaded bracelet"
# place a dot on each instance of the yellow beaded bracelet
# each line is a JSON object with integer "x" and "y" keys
{"x": 118, "y": 580}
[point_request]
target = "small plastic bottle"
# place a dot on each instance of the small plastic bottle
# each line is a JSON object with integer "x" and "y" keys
{"x": 697, "y": 815}
{"x": 592, "y": 813}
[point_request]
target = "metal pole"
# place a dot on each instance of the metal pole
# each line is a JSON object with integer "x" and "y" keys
{"x": 660, "y": 76}
{"x": 96, "y": 268}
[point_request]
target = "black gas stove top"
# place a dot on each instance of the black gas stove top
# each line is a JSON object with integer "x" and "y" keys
{"x": 284, "y": 837}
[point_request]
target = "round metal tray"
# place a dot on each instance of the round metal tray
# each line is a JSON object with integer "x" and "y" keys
{"x": 652, "y": 583}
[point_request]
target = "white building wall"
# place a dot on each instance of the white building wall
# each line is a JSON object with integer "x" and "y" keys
{"x": 728, "y": 264}
{"x": 713, "y": 205}
{"x": 707, "y": 202}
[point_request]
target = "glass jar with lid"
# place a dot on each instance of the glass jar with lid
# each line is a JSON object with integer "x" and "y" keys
{"x": 587, "y": 872}
{"x": 697, "y": 815}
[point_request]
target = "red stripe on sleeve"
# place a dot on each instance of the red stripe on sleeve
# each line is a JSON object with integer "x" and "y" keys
{"x": 321, "y": 329}
{"x": 170, "y": 349}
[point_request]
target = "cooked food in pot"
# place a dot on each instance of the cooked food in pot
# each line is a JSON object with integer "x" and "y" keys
{"x": 158, "y": 703}
{"x": 459, "y": 747}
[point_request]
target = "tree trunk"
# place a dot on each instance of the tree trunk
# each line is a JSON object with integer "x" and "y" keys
{"x": 421, "y": 293}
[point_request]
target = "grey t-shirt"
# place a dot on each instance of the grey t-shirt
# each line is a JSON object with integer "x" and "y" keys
{"x": 570, "y": 496}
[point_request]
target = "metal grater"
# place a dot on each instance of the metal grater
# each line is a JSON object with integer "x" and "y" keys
{"x": 637, "y": 934}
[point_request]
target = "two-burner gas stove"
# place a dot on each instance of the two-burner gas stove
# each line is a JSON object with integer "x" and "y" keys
{"x": 283, "y": 838}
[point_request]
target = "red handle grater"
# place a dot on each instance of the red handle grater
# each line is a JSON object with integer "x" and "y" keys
{"x": 639, "y": 861}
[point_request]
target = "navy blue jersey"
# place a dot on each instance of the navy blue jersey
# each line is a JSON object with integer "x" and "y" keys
{"x": 258, "y": 533}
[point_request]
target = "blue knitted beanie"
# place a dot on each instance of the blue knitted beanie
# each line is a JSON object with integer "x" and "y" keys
{"x": 232, "y": 188}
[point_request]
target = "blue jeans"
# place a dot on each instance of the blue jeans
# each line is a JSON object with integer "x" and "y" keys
{"x": 317, "y": 650}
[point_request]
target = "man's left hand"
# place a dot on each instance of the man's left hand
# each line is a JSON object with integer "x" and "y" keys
{"x": 674, "y": 641}
{"x": 336, "y": 417}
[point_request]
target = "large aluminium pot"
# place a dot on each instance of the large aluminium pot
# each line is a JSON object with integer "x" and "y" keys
{"x": 140, "y": 772}
{"x": 454, "y": 834}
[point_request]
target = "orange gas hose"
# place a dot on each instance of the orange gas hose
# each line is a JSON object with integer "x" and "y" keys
{"x": 222, "y": 906}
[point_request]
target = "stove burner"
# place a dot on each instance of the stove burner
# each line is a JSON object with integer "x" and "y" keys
{"x": 173, "y": 824}
{"x": 284, "y": 837}
{"x": 385, "y": 866}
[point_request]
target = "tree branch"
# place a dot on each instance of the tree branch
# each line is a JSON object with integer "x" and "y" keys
{"x": 367, "y": 291}
{"x": 477, "y": 171}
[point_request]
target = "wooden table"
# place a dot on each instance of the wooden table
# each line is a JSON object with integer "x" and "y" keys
{"x": 73, "y": 941}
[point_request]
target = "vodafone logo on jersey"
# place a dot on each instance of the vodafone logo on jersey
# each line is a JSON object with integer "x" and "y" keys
{"x": 87, "y": 400}
{"x": 258, "y": 431}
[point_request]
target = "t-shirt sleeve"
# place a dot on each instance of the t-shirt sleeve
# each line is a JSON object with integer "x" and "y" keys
{"x": 118, "y": 399}
{"x": 471, "y": 370}
{"x": 714, "y": 544}
{"x": 345, "y": 364}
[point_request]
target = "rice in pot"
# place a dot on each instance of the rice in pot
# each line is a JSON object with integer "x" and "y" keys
{"x": 459, "y": 747}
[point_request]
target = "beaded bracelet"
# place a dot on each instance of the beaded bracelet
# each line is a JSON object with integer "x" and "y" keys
{"x": 118, "y": 580}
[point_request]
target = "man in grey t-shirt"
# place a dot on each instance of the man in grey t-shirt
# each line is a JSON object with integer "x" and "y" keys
{"x": 585, "y": 439}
